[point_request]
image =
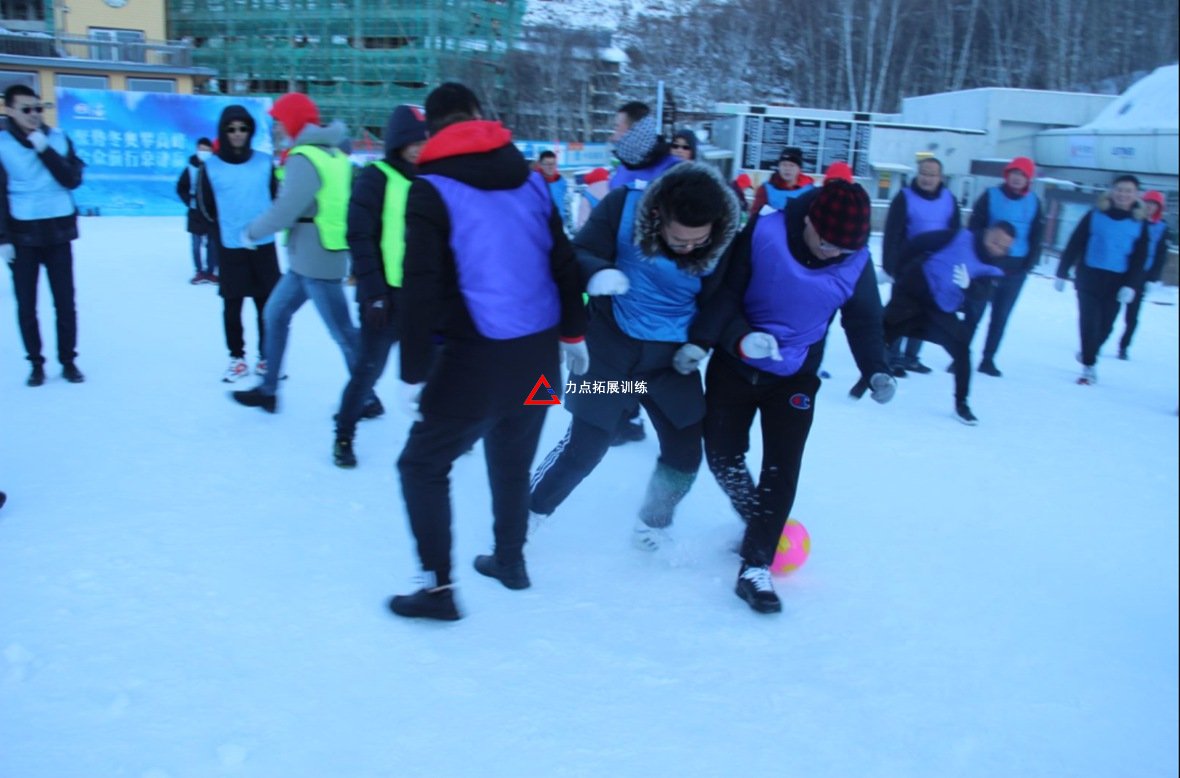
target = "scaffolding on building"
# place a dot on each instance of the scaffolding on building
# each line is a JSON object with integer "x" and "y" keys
{"x": 356, "y": 58}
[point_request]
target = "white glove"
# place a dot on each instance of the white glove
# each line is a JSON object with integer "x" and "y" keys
{"x": 884, "y": 386}
{"x": 688, "y": 358}
{"x": 410, "y": 395}
{"x": 577, "y": 357}
{"x": 1126, "y": 295}
{"x": 1151, "y": 287}
{"x": 246, "y": 242}
{"x": 7, "y": 252}
{"x": 39, "y": 141}
{"x": 760, "y": 345}
{"x": 608, "y": 282}
{"x": 1059, "y": 284}
{"x": 961, "y": 277}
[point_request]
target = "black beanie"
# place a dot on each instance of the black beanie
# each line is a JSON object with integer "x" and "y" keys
{"x": 407, "y": 124}
{"x": 450, "y": 99}
{"x": 792, "y": 154}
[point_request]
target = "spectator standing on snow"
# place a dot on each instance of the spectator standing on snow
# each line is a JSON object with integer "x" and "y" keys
{"x": 926, "y": 205}
{"x": 652, "y": 259}
{"x": 595, "y": 186}
{"x": 1109, "y": 249}
{"x": 313, "y": 206}
{"x": 787, "y": 182}
{"x": 791, "y": 271}
{"x": 236, "y": 185}
{"x": 38, "y": 222}
{"x": 490, "y": 273}
{"x": 377, "y": 240}
{"x": 1013, "y": 202}
{"x": 558, "y": 187}
{"x": 1157, "y": 256}
{"x": 200, "y": 229}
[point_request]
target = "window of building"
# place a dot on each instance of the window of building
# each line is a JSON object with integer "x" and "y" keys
{"x": 10, "y": 77}
{"x": 72, "y": 81}
{"x": 124, "y": 46}
{"x": 151, "y": 84}
{"x": 22, "y": 10}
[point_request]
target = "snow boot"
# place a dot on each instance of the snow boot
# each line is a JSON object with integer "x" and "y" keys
{"x": 512, "y": 574}
{"x": 755, "y": 587}
{"x": 435, "y": 603}
{"x": 255, "y": 398}
{"x": 342, "y": 452}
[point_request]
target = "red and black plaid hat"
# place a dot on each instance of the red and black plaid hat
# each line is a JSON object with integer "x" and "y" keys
{"x": 841, "y": 214}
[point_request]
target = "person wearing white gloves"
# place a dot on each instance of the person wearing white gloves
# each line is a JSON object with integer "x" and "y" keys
{"x": 490, "y": 303}
{"x": 653, "y": 258}
{"x": 1109, "y": 248}
{"x": 38, "y": 221}
{"x": 791, "y": 271}
{"x": 936, "y": 291}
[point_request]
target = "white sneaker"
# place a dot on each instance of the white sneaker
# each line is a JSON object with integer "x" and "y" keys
{"x": 237, "y": 370}
{"x": 1089, "y": 376}
{"x": 647, "y": 538}
{"x": 260, "y": 368}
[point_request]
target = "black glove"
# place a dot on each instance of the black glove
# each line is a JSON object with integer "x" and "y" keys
{"x": 377, "y": 312}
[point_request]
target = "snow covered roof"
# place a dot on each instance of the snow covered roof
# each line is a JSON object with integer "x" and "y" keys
{"x": 1149, "y": 104}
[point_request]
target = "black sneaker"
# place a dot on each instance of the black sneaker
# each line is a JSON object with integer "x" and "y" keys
{"x": 858, "y": 389}
{"x": 437, "y": 603}
{"x": 897, "y": 371}
{"x": 914, "y": 365}
{"x": 1123, "y": 353}
{"x": 629, "y": 432}
{"x": 988, "y": 367}
{"x": 512, "y": 574}
{"x": 255, "y": 398}
{"x": 343, "y": 454}
{"x": 964, "y": 414}
{"x": 372, "y": 409}
{"x": 36, "y": 377}
{"x": 754, "y": 586}
{"x": 71, "y": 373}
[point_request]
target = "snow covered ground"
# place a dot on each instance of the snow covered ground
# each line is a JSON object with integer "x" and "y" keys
{"x": 189, "y": 588}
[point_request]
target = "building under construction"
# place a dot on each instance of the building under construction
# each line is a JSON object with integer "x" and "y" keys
{"x": 356, "y": 58}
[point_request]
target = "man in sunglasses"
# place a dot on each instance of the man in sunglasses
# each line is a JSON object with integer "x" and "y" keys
{"x": 792, "y": 270}
{"x": 38, "y": 220}
{"x": 653, "y": 259}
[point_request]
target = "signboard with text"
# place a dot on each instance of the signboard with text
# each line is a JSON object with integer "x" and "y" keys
{"x": 136, "y": 144}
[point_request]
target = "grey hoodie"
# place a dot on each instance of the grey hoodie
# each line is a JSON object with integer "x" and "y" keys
{"x": 306, "y": 254}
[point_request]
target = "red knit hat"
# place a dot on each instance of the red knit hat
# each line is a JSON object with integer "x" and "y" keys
{"x": 1158, "y": 198}
{"x": 841, "y": 213}
{"x": 838, "y": 171}
{"x": 596, "y": 175}
{"x": 295, "y": 111}
{"x": 1024, "y": 165}
{"x": 743, "y": 181}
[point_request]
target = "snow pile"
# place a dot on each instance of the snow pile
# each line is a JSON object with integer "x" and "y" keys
{"x": 1150, "y": 104}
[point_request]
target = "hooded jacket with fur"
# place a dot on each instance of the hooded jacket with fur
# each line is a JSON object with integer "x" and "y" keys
{"x": 1076, "y": 250}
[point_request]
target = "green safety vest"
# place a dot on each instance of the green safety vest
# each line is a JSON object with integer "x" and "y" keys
{"x": 393, "y": 223}
{"x": 331, "y": 216}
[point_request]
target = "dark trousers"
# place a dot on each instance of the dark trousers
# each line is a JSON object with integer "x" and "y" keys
{"x": 210, "y": 245}
{"x": 786, "y": 408}
{"x": 372, "y": 354}
{"x": 584, "y": 446}
{"x": 945, "y": 329}
{"x": 510, "y": 441}
{"x": 1098, "y": 307}
{"x": 910, "y": 346}
{"x": 235, "y": 338}
{"x": 59, "y": 267}
{"x": 1003, "y": 300}
{"x": 1131, "y": 320}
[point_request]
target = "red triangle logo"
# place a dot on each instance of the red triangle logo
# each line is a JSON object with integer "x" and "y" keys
{"x": 532, "y": 398}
